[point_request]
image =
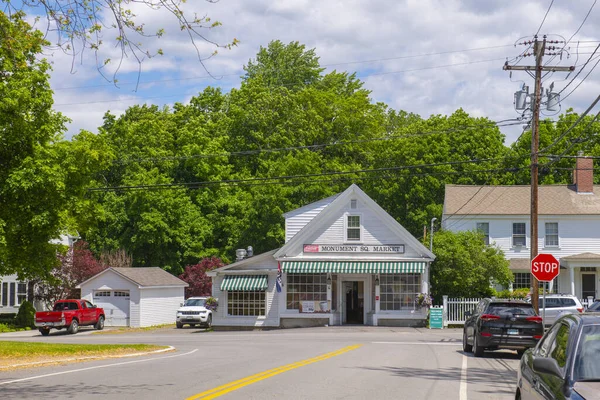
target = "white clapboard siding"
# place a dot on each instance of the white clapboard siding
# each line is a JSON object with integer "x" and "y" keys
{"x": 577, "y": 234}
{"x": 297, "y": 219}
{"x": 160, "y": 305}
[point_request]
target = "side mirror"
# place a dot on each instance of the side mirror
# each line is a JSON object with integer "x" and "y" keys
{"x": 94, "y": 306}
{"x": 546, "y": 365}
{"x": 180, "y": 304}
{"x": 468, "y": 313}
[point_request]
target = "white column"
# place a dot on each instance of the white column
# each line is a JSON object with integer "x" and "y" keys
{"x": 572, "y": 277}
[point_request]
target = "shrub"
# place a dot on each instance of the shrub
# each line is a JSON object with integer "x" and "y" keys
{"x": 26, "y": 315}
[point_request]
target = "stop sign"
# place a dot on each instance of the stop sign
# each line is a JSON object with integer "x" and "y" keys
{"x": 545, "y": 267}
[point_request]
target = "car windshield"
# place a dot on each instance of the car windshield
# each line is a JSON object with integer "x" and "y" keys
{"x": 194, "y": 302}
{"x": 507, "y": 309}
{"x": 587, "y": 361}
{"x": 595, "y": 306}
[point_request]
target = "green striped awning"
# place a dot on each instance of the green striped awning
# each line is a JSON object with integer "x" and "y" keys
{"x": 354, "y": 267}
{"x": 244, "y": 282}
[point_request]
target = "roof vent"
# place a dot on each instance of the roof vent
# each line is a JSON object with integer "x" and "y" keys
{"x": 240, "y": 254}
{"x": 250, "y": 251}
{"x": 353, "y": 204}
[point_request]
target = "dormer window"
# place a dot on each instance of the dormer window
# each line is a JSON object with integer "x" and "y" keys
{"x": 353, "y": 228}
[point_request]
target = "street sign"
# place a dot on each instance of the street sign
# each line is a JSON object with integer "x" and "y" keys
{"x": 436, "y": 318}
{"x": 545, "y": 267}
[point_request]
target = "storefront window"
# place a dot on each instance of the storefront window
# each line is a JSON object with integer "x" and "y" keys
{"x": 399, "y": 291}
{"x": 246, "y": 303}
{"x": 305, "y": 287}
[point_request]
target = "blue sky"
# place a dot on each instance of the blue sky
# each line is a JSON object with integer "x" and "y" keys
{"x": 422, "y": 56}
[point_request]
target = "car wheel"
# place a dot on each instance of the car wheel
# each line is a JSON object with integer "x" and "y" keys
{"x": 74, "y": 327}
{"x": 44, "y": 331}
{"x": 179, "y": 325}
{"x": 100, "y": 324}
{"x": 209, "y": 322}
{"x": 467, "y": 348}
{"x": 477, "y": 349}
{"x": 518, "y": 395}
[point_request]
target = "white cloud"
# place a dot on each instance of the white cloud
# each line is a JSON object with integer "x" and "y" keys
{"x": 344, "y": 32}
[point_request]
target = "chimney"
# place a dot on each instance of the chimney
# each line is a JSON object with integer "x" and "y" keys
{"x": 583, "y": 175}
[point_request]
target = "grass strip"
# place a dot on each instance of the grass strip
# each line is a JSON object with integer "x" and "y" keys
{"x": 27, "y": 350}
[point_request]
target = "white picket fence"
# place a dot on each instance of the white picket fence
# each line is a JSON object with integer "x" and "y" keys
{"x": 455, "y": 308}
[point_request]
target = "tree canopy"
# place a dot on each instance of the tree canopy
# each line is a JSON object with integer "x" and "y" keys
{"x": 465, "y": 266}
{"x": 32, "y": 183}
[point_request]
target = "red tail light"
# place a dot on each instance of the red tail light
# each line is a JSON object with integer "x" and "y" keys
{"x": 535, "y": 319}
{"x": 489, "y": 317}
{"x": 537, "y": 336}
{"x": 486, "y": 334}
{"x": 580, "y": 310}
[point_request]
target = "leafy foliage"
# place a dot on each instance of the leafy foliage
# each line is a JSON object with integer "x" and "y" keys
{"x": 76, "y": 265}
{"x": 32, "y": 181}
{"x": 465, "y": 266}
{"x": 195, "y": 276}
{"x": 84, "y": 26}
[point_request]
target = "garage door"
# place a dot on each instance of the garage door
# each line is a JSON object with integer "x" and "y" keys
{"x": 115, "y": 304}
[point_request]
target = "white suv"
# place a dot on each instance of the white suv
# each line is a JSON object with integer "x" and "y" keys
{"x": 194, "y": 313}
{"x": 558, "y": 305}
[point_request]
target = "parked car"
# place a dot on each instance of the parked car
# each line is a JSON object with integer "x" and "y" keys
{"x": 193, "y": 312}
{"x": 565, "y": 364}
{"x": 594, "y": 307}
{"x": 70, "y": 314}
{"x": 501, "y": 324}
{"x": 558, "y": 305}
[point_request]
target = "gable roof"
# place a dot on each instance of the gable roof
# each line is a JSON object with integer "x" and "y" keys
{"x": 143, "y": 277}
{"x": 515, "y": 200}
{"x": 250, "y": 261}
{"x": 582, "y": 257}
{"x": 336, "y": 205}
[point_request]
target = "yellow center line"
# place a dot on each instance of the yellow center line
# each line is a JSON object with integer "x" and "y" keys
{"x": 231, "y": 386}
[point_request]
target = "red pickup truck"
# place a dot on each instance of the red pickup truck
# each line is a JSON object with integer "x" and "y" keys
{"x": 70, "y": 314}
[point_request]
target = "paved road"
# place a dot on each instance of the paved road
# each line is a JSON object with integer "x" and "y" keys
{"x": 315, "y": 363}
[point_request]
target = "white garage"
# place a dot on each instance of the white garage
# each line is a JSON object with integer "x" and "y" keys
{"x": 135, "y": 297}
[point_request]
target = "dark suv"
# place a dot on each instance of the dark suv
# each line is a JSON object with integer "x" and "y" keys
{"x": 501, "y": 324}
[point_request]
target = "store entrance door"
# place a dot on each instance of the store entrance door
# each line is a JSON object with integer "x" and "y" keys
{"x": 354, "y": 302}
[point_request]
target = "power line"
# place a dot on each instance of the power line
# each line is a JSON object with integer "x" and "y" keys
{"x": 275, "y": 69}
{"x": 360, "y": 76}
{"x": 544, "y": 20}
{"x": 287, "y": 177}
{"x": 500, "y": 123}
{"x": 572, "y": 126}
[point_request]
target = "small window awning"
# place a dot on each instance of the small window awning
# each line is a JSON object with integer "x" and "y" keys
{"x": 244, "y": 282}
{"x": 354, "y": 267}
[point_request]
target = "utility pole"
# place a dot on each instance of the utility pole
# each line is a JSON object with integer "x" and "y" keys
{"x": 539, "y": 47}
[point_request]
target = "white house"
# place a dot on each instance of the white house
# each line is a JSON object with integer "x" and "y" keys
{"x": 135, "y": 297}
{"x": 14, "y": 291}
{"x": 568, "y": 221}
{"x": 345, "y": 261}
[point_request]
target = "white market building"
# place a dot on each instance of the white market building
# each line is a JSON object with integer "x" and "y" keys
{"x": 345, "y": 261}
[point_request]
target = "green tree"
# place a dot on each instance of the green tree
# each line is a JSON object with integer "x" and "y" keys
{"x": 32, "y": 180}
{"x": 465, "y": 266}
